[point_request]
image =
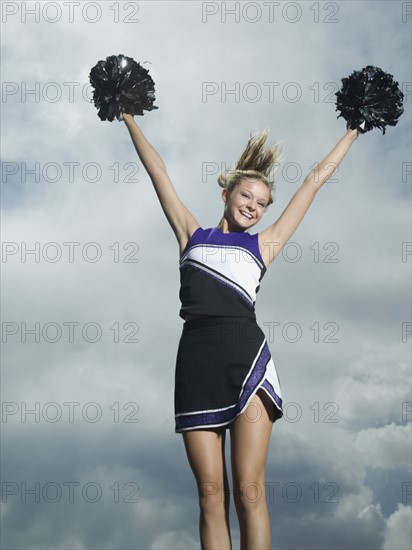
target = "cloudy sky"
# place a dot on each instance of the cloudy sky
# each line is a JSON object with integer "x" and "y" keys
{"x": 90, "y": 272}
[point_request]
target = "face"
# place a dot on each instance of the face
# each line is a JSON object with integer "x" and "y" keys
{"x": 246, "y": 204}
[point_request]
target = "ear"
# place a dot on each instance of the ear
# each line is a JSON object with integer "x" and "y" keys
{"x": 224, "y": 195}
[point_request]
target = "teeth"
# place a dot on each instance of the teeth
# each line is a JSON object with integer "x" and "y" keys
{"x": 246, "y": 215}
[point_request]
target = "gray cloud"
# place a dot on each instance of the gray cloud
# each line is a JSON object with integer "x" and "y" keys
{"x": 339, "y": 463}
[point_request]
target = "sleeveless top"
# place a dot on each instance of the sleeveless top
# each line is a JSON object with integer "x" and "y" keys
{"x": 220, "y": 274}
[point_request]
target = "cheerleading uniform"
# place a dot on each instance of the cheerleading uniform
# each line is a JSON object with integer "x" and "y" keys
{"x": 223, "y": 357}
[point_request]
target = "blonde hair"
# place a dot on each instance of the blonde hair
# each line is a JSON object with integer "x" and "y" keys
{"x": 258, "y": 161}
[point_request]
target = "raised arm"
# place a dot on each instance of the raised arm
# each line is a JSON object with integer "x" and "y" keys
{"x": 179, "y": 217}
{"x": 274, "y": 238}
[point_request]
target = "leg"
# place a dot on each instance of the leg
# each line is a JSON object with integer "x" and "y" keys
{"x": 250, "y": 438}
{"x": 206, "y": 453}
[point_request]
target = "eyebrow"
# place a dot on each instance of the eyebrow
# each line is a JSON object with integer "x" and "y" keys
{"x": 250, "y": 191}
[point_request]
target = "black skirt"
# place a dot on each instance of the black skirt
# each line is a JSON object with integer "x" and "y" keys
{"x": 221, "y": 363}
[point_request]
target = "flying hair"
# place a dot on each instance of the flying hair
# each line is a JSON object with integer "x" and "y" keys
{"x": 258, "y": 161}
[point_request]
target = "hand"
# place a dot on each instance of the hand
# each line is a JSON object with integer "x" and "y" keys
{"x": 352, "y": 133}
{"x": 127, "y": 118}
{"x": 359, "y": 129}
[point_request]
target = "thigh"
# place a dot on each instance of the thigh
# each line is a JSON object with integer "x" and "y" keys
{"x": 205, "y": 450}
{"x": 250, "y": 439}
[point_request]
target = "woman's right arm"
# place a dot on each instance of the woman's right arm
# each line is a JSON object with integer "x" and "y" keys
{"x": 179, "y": 217}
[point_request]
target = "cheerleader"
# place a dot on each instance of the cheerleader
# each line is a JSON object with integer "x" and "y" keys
{"x": 225, "y": 378}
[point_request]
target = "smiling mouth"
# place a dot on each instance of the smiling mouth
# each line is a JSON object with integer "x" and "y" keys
{"x": 248, "y": 216}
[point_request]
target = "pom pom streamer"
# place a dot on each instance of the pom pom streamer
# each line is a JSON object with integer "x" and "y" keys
{"x": 121, "y": 85}
{"x": 369, "y": 96}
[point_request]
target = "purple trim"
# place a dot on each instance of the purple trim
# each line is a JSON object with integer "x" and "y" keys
{"x": 271, "y": 391}
{"x": 251, "y": 385}
{"x": 215, "y": 236}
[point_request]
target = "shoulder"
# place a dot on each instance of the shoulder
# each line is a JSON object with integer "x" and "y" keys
{"x": 194, "y": 233}
{"x": 255, "y": 246}
{"x": 269, "y": 244}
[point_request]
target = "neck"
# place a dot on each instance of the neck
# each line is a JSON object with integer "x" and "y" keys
{"x": 226, "y": 227}
{"x": 221, "y": 224}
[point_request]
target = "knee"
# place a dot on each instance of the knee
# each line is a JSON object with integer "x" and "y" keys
{"x": 212, "y": 498}
{"x": 250, "y": 496}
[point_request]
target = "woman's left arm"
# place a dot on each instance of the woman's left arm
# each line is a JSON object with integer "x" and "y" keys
{"x": 274, "y": 238}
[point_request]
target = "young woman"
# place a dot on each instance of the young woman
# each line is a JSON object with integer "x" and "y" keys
{"x": 225, "y": 377}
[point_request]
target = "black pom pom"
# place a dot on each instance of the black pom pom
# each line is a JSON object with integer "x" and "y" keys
{"x": 369, "y": 96}
{"x": 121, "y": 85}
